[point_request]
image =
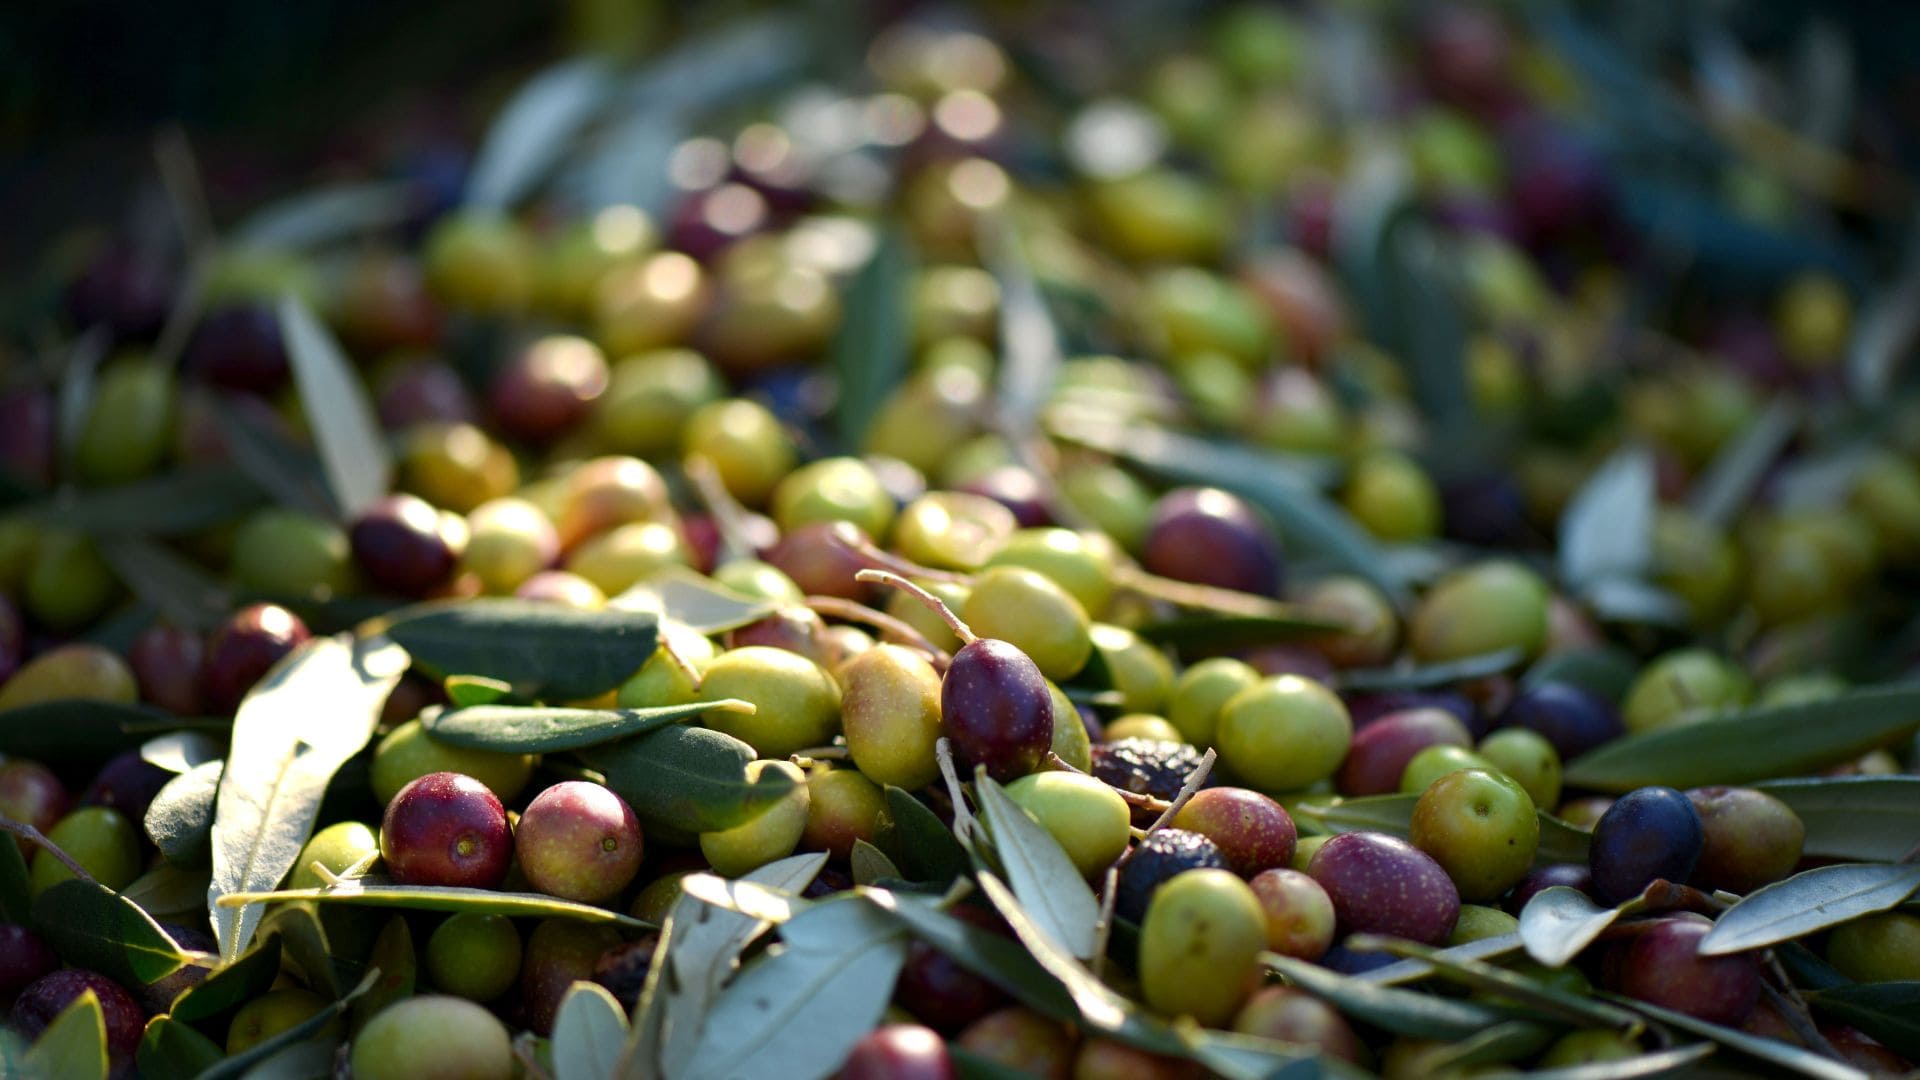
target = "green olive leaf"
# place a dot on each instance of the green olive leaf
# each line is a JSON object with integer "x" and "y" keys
{"x": 1479, "y": 975}
{"x": 176, "y": 752}
{"x": 174, "y": 586}
{"x": 869, "y": 352}
{"x": 1404, "y": 1012}
{"x": 1429, "y": 676}
{"x": 170, "y": 892}
{"x": 74, "y": 1044}
{"x": 1606, "y": 531}
{"x": 1606, "y": 670}
{"x": 870, "y": 864}
{"x": 1727, "y": 484}
{"x": 917, "y": 841}
{"x": 1662, "y": 1063}
{"x": 545, "y": 650}
{"x": 240, "y": 1064}
{"x": 589, "y": 1034}
{"x": 170, "y": 1049}
{"x": 535, "y": 128}
{"x": 292, "y": 474}
{"x": 1233, "y": 631}
{"x": 1413, "y": 970}
{"x": 179, "y": 821}
{"x": 1888, "y": 1011}
{"x": 693, "y": 779}
{"x": 324, "y": 215}
{"x": 466, "y": 691}
{"x": 1752, "y": 744}
{"x": 694, "y": 601}
{"x": 315, "y": 709}
{"x": 80, "y": 732}
{"x": 1772, "y": 1051}
{"x": 353, "y": 450}
{"x": 373, "y": 892}
{"x": 1050, "y": 889}
{"x": 800, "y": 1008}
{"x": 232, "y": 985}
{"x": 1870, "y": 818}
{"x": 1809, "y": 902}
{"x": 1559, "y": 922}
{"x": 393, "y": 955}
{"x": 520, "y": 729}
{"x": 172, "y": 504}
{"x": 93, "y": 927}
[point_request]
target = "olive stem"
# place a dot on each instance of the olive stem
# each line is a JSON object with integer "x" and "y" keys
{"x": 1794, "y": 1010}
{"x": 852, "y": 610}
{"x": 811, "y": 754}
{"x": 1912, "y": 855}
{"x": 1103, "y": 929}
{"x": 32, "y": 835}
{"x": 728, "y": 515}
{"x": 679, "y": 660}
{"x": 881, "y": 559}
{"x": 963, "y": 823}
{"x": 1194, "y": 779}
{"x": 523, "y": 1052}
{"x": 1212, "y": 598}
{"x": 934, "y": 604}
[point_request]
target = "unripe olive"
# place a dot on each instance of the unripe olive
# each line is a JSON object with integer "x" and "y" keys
{"x": 68, "y": 584}
{"x": 1696, "y": 562}
{"x": 843, "y": 805}
{"x": 482, "y": 262}
{"x": 574, "y": 260}
{"x": 1198, "y": 946}
{"x": 79, "y": 671}
{"x": 906, "y": 608}
{"x": 1877, "y": 948}
{"x": 508, "y": 541}
{"x": 1683, "y": 686}
{"x": 1071, "y": 742}
{"x": 1139, "y": 670}
{"x": 1372, "y": 631}
{"x": 650, "y": 398}
{"x": 336, "y": 847}
{"x": 760, "y": 581}
{"x": 660, "y": 681}
{"x": 1039, "y": 617}
{"x": 621, "y": 558}
{"x": 1527, "y": 757}
{"x": 408, "y": 753}
{"x": 100, "y": 839}
{"x": 433, "y": 1035}
{"x": 261, "y": 1018}
{"x": 834, "y": 489}
{"x": 1813, "y": 316}
{"x": 291, "y": 554}
{"x": 1389, "y": 494}
{"x": 130, "y": 426}
{"x": 891, "y": 713}
{"x": 798, "y": 703}
{"x": 930, "y": 417}
{"x": 1089, "y": 819}
{"x": 607, "y": 492}
{"x": 1141, "y": 726}
{"x": 1117, "y": 503}
{"x": 650, "y": 304}
{"x": 1159, "y": 216}
{"x": 746, "y": 445}
{"x": 1202, "y": 691}
{"x": 1283, "y": 733}
{"x": 772, "y": 835}
{"x": 951, "y": 530}
{"x": 456, "y": 466}
{"x": 474, "y": 955}
{"x": 1481, "y": 609}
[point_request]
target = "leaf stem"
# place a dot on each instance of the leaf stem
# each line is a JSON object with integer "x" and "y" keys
{"x": 964, "y": 825}
{"x": 679, "y": 660}
{"x": 881, "y": 559}
{"x": 934, "y": 604}
{"x": 32, "y": 835}
{"x": 854, "y": 611}
{"x": 1206, "y": 597}
{"x": 729, "y": 517}
{"x": 1103, "y": 929}
{"x": 1793, "y": 1009}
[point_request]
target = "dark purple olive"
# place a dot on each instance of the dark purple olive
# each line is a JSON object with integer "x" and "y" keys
{"x": 1573, "y": 719}
{"x": 403, "y": 545}
{"x": 996, "y": 709}
{"x": 127, "y": 783}
{"x": 239, "y": 348}
{"x": 249, "y": 643}
{"x": 1649, "y": 834}
{"x": 166, "y": 663}
{"x": 446, "y": 829}
{"x": 1210, "y": 537}
{"x": 125, "y": 289}
{"x": 422, "y": 391}
{"x": 1018, "y": 490}
{"x": 40, "y": 1002}
{"x": 27, "y": 435}
{"x": 24, "y": 957}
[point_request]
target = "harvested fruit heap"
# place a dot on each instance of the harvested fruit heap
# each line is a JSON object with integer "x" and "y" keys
{"x": 1170, "y": 550}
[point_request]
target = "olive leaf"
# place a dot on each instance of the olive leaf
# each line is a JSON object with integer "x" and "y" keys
{"x": 869, "y": 352}
{"x": 93, "y": 927}
{"x": 179, "y": 820}
{"x": 334, "y": 400}
{"x": 1404, "y": 1012}
{"x": 801, "y": 1007}
{"x": 242, "y": 1063}
{"x": 1605, "y": 670}
{"x": 1559, "y": 922}
{"x": 465, "y": 691}
{"x": 1413, "y": 970}
{"x": 173, "y": 504}
{"x": 1729, "y": 481}
{"x": 1660, "y": 1063}
{"x": 373, "y": 892}
{"x": 545, "y": 650}
{"x": 1039, "y": 871}
{"x": 178, "y": 751}
{"x": 1029, "y": 341}
{"x": 698, "y": 955}
{"x": 78, "y": 379}
{"x": 689, "y": 778}
{"x": 232, "y": 985}
{"x": 79, "y": 731}
{"x": 1502, "y": 984}
{"x": 520, "y": 729}
{"x": 994, "y": 957}
{"x": 1808, "y": 902}
{"x": 324, "y": 215}
{"x": 589, "y": 1034}
{"x": 1503, "y": 1042}
{"x": 1232, "y": 631}
{"x": 1606, "y": 531}
{"x": 533, "y": 131}
{"x": 694, "y": 601}
{"x": 1429, "y": 676}
{"x": 170, "y": 892}
{"x": 170, "y": 1049}
{"x": 1753, "y": 744}
{"x": 1873, "y": 818}
{"x": 870, "y": 864}
{"x": 291, "y": 474}
{"x": 1773, "y": 1051}
{"x": 393, "y": 955}
{"x": 1888, "y": 1011}
{"x": 182, "y": 592}
{"x": 73, "y": 1045}
{"x": 917, "y": 841}
{"x": 315, "y": 709}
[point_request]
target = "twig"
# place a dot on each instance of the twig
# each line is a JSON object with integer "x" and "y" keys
{"x": 881, "y": 559}
{"x": 964, "y": 825}
{"x": 679, "y": 659}
{"x": 1794, "y": 1011}
{"x": 32, "y": 835}
{"x": 934, "y": 604}
{"x": 1194, "y": 779}
{"x": 523, "y": 1052}
{"x": 1103, "y": 929}
{"x": 854, "y": 611}
{"x": 729, "y": 517}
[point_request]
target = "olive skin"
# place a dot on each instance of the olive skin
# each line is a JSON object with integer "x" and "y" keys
{"x": 336, "y": 847}
{"x": 403, "y": 545}
{"x": 1283, "y": 733}
{"x": 797, "y": 702}
{"x": 578, "y": 841}
{"x": 474, "y": 955}
{"x": 891, "y": 713}
{"x": 45, "y": 998}
{"x": 996, "y": 710}
{"x": 433, "y": 1035}
{"x": 1209, "y": 537}
{"x": 1041, "y": 619}
{"x": 1877, "y": 948}
{"x": 1254, "y": 833}
{"x": 261, "y": 1018}
{"x": 1380, "y": 884}
{"x": 558, "y": 953}
{"x": 100, "y": 839}
{"x": 1203, "y": 930}
{"x": 1088, "y": 818}
{"x": 1752, "y": 838}
{"x": 1662, "y": 965}
{"x": 1480, "y": 826}
{"x": 1649, "y": 834}
{"x": 32, "y": 794}
{"x": 898, "y": 1052}
{"x": 24, "y": 957}
{"x": 446, "y": 829}
{"x": 244, "y": 649}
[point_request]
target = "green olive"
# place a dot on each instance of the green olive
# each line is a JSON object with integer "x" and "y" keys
{"x": 1038, "y": 617}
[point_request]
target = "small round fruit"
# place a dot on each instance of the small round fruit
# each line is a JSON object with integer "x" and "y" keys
{"x": 772, "y": 835}
{"x": 558, "y": 953}
{"x": 1392, "y": 498}
{"x": 1752, "y": 838}
{"x": 797, "y": 702}
{"x": 1254, "y": 833}
{"x": 1157, "y": 860}
{"x": 898, "y": 1052}
{"x": 891, "y": 713}
{"x": 1477, "y": 923}
{"x": 1480, "y": 826}
{"x": 1026, "y": 609}
{"x": 474, "y": 955}
{"x": 1483, "y": 608}
{"x": 578, "y": 841}
{"x": 996, "y": 709}
{"x": 843, "y": 806}
{"x": 834, "y": 489}
{"x": 1588, "y": 1047}
{"x": 1140, "y": 671}
{"x": 433, "y": 1036}
{"x": 746, "y": 445}
{"x": 336, "y": 847}
{"x": 1648, "y": 834}
{"x": 408, "y": 753}
{"x": 24, "y": 958}
{"x": 1022, "y": 1040}
{"x": 1198, "y": 946}
{"x": 261, "y": 1018}
{"x": 1210, "y": 537}
{"x": 1381, "y": 884}
{"x": 1663, "y": 966}
{"x": 508, "y": 541}
{"x": 244, "y": 649}
{"x": 100, "y": 839}
{"x": 1283, "y": 733}
{"x": 1877, "y": 948}
{"x": 1435, "y": 762}
{"x": 1078, "y": 562}
{"x": 482, "y": 261}
{"x": 934, "y": 987}
{"x": 1292, "y": 1015}
{"x": 74, "y": 672}
{"x": 1382, "y": 748}
{"x": 1372, "y": 627}
{"x": 32, "y": 794}
{"x": 446, "y": 829}
{"x": 288, "y": 553}
{"x": 166, "y": 661}
{"x": 1202, "y": 691}
{"x": 1089, "y": 819}
{"x": 1683, "y": 686}
{"x": 68, "y": 584}
{"x": 404, "y": 546}
{"x": 48, "y": 996}
{"x": 1300, "y": 918}
{"x": 1573, "y": 719}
